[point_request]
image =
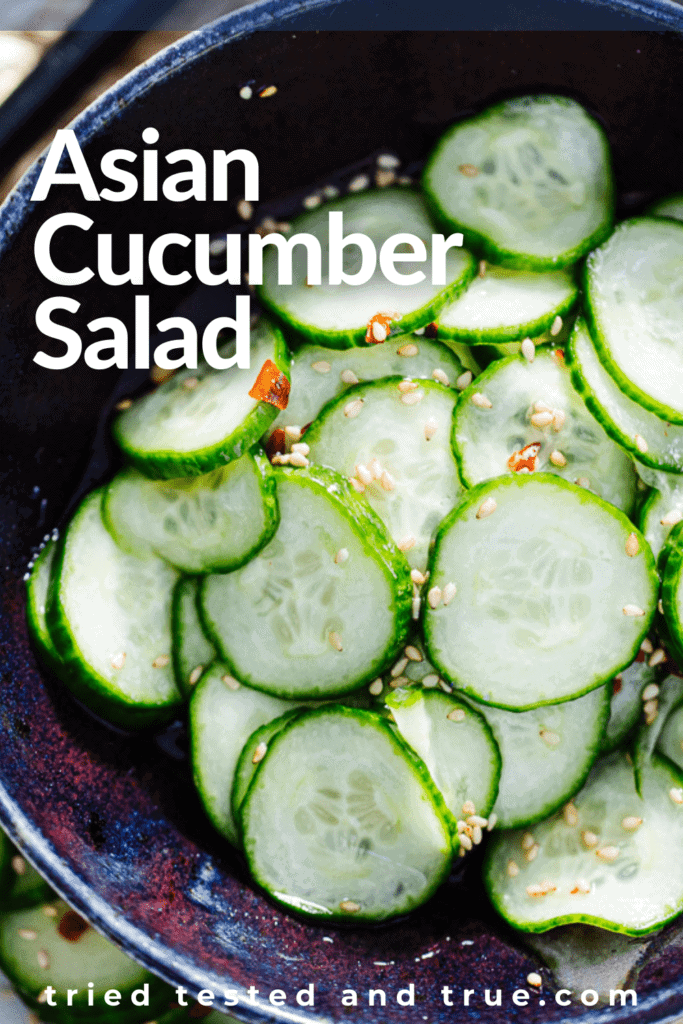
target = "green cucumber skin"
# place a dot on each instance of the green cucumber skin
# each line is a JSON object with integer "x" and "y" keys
{"x": 373, "y": 720}
{"x": 176, "y": 633}
{"x": 85, "y": 685}
{"x": 171, "y": 465}
{"x": 474, "y": 496}
{"x": 664, "y": 412}
{"x": 40, "y": 637}
{"x": 481, "y": 245}
{"x": 367, "y": 525}
{"x": 243, "y": 766}
{"x": 671, "y": 584}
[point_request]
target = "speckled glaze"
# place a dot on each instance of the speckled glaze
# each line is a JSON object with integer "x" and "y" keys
{"x": 113, "y": 821}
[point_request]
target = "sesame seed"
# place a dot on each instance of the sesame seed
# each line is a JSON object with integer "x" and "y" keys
{"x": 541, "y": 419}
{"x": 349, "y": 907}
{"x": 297, "y": 459}
{"x": 660, "y": 606}
{"x": 419, "y": 331}
{"x": 534, "y": 979}
{"x": 195, "y": 674}
{"x": 570, "y": 814}
{"x": 487, "y": 508}
{"x": 431, "y": 681}
{"x": 556, "y": 327}
{"x": 387, "y": 481}
{"x": 405, "y": 386}
{"x": 477, "y": 835}
{"x": 301, "y": 448}
{"x": 363, "y": 474}
{"x": 161, "y": 661}
{"x": 558, "y": 459}
{"x": 330, "y": 191}
{"x": 434, "y": 597}
{"x": 124, "y": 404}
{"x": 190, "y": 383}
{"x": 42, "y": 997}
{"x": 493, "y": 821}
{"x": 412, "y": 653}
{"x": 269, "y": 90}
{"x": 469, "y": 170}
{"x": 532, "y": 853}
{"x": 399, "y": 667}
{"x": 119, "y": 660}
{"x": 558, "y": 420}
{"x": 633, "y": 611}
{"x": 430, "y": 428}
{"x": 657, "y": 657}
{"x": 18, "y": 865}
{"x": 406, "y": 543}
{"x": 462, "y": 826}
{"x": 292, "y": 434}
{"x": 582, "y": 481}
{"x": 375, "y": 687}
{"x": 446, "y": 687}
{"x": 589, "y": 839}
{"x": 671, "y": 518}
{"x": 449, "y": 592}
{"x": 464, "y": 380}
{"x": 384, "y": 178}
{"x": 542, "y": 407}
{"x": 536, "y": 890}
{"x": 418, "y": 578}
{"x": 348, "y": 377}
{"x": 43, "y": 959}
{"x": 388, "y": 161}
{"x": 412, "y": 398}
{"x": 641, "y": 443}
{"x": 456, "y": 715}
{"x": 231, "y": 683}
{"x": 442, "y": 377}
{"x": 468, "y": 808}
{"x": 416, "y": 608}
{"x": 550, "y": 738}
{"x": 407, "y": 350}
{"x": 341, "y": 556}
{"x": 476, "y": 819}
{"x": 581, "y": 888}
{"x": 676, "y": 795}
{"x": 481, "y": 271}
{"x": 245, "y": 209}
{"x": 358, "y": 487}
{"x": 528, "y": 350}
{"x": 353, "y": 408}
{"x": 246, "y": 92}
{"x": 632, "y": 545}
{"x": 650, "y": 692}
{"x": 481, "y": 401}
{"x": 375, "y": 468}
{"x": 512, "y": 869}
{"x": 259, "y": 753}
{"x": 527, "y": 840}
{"x": 631, "y": 823}
{"x": 465, "y": 840}
{"x": 28, "y": 934}
{"x": 650, "y": 707}
{"x": 335, "y": 640}
{"x": 608, "y": 853}
{"x": 310, "y": 202}
{"x": 322, "y": 366}
{"x": 358, "y": 183}
{"x": 399, "y": 681}
{"x": 280, "y": 460}
{"x": 49, "y": 910}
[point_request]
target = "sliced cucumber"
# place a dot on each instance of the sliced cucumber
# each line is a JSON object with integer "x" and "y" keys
{"x": 203, "y": 418}
{"x": 670, "y": 695}
{"x": 210, "y": 523}
{"x": 547, "y": 754}
{"x": 399, "y": 440}
{"x": 672, "y": 592}
{"x": 26, "y": 888}
{"x": 549, "y": 604}
{"x": 671, "y": 207}
{"x": 670, "y": 739}
{"x": 523, "y": 396}
{"x": 341, "y": 822}
{"x": 338, "y": 315}
{"x": 109, "y": 615}
{"x": 662, "y": 510}
{"x": 504, "y": 306}
{"x": 52, "y": 945}
{"x": 635, "y": 312}
{"x": 192, "y": 650}
{"x": 36, "y": 598}
{"x": 611, "y": 868}
{"x": 626, "y": 702}
{"x": 320, "y": 374}
{"x": 457, "y": 746}
{"x": 528, "y": 181}
{"x": 645, "y": 436}
{"x": 293, "y": 621}
{"x": 223, "y": 715}
{"x": 253, "y": 752}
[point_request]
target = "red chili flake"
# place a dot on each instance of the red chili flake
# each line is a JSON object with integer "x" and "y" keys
{"x": 271, "y": 386}
{"x": 275, "y": 445}
{"x": 617, "y": 687}
{"x": 525, "y": 458}
{"x": 383, "y": 320}
{"x": 640, "y": 656}
{"x": 559, "y": 353}
{"x": 72, "y": 926}
{"x": 432, "y": 330}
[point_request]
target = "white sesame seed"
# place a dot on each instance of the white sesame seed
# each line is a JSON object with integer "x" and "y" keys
{"x": 469, "y": 808}
{"x": 388, "y": 161}
{"x": 676, "y": 795}
{"x": 487, "y": 508}
{"x": 434, "y": 597}
{"x": 431, "y": 681}
{"x": 608, "y": 853}
{"x": 418, "y": 578}
{"x": 657, "y": 657}
{"x": 589, "y": 839}
{"x": 404, "y": 386}
{"x": 358, "y": 183}
{"x": 384, "y": 178}
{"x": 641, "y": 443}
{"x": 532, "y": 853}
{"x": 558, "y": 459}
{"x": 632, "y": 545}
{"x": 650, "y": 692}
{"x": 348, "y": 377}
{"x": 541, "y": 419}
{"x": 527, "y": 840}
{"x": 631, "y": 823}
{"x": 259, "y": 753}
{"x": 124, "y": 404}
{"x": 465, "y": 841}
{"x": 534, "y": 979}
{"x": 246, "y": 92}
{"x": 493, "y": 821}
{"x": 528, "y": 350}
{"x": 558, "y": 420}
{"x": 671, "y": 518}
{"x": 650, "y": 707}
{"x": 469, "y": 170}
{"x": 349, "y": 907}
{"x": 330, "y": 191}
{"x": 464, "y": 380}
{"x": 633, "y": 611}
{"x": 449, "y": 592}
{"x": 556, "y": 327}
{"x": 399, "y": 667}
{"x": 375, "y": 468}
{"x": 476, "y": 819}
{"x": 310, "y": 202}
{"x": 660, "y": 606}
{"x": 456, "y": 715}
{"x": 297, "y": 459}
{"x": 542, "y": 407}
{"x": 49, "y": 910}
{"x": 375, "y": 687}
{"x": 570, "y": 814}
{"x": 292, "y": 435}
{"x": 301, "y": 448}
{"x": 322, "y": 366}
{"x": 335, "y": 640}
{"x": 481, "y": 272}
{"x": 419, "y": 331}
{"x": 245, "y": 209}
{"x": 18, "y": 865}
{"x": 363, "y": 474}
{"x": 481, "y": 401}
{"x": 550, "y": 738}
{"x": 353, "y": 408}
{"x": 42, "y": 998}
{"x": 536, "y": 890}
{"x": 512, "y": 869}
{"x": 231, "y": 683}
{"x": 438, "y": 374}
{"x": 280, "y": 460}
{"x": 462, "y": 826}
{"x": 119, "y": 660}
{"x": 412, "y": 653}
{"x": 407, "y": 350}
{"x": 387, "y": 481}
{"x": 416, "y": 608}
{"x": 430, "y": 428}
{"x": 161, "y": 661}
{"x": 446, "y": 687}
{"x": 27, "y": 933}
{"x": 406, "y": 543}
{"x": 477, "y": 835}
{"x": 195, "y": 674}
{"x": 341, "y": 556}
{"x": 398, "y": 681}
{"x": 582, "y": 481}
{"x": 412, "y": 398}
{"x": 43, "y": 959}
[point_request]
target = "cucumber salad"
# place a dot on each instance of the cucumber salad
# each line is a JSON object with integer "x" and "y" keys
{"x": 416, "y": 578}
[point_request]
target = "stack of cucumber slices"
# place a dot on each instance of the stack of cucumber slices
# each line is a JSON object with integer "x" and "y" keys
{"x": 445, "y": 610}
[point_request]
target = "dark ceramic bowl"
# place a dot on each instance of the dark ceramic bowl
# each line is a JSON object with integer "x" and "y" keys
{"x": 113, "y": 821}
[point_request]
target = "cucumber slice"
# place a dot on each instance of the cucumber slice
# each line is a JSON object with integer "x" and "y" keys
{"x": 669, "y": 697}
{"x": 670, "y": 740}
{"x": 293, "y": 622}
{"x": 200, "y": 419}
{"x": 109, "y": 615}
{"x": 210, "y": 523}
{"x": 546, "y": 753}
{"x": 623, "y": 881}
{"x": 528, "y": 181}
{"x": 626, "y": 703}
{"x": 53, "y": 945}
{"x": 192, "y": 650}
{"x": 26, "y": 887}
{"x": 341, "y": 822}
{"x": 36, "y": 598}
{"x": 253, "y": 752}
{"x": 223, "y": 715}
{"x": 391, "y": 436}
{"x": 635, "y": 312}
{"x": 457, "y": 747}
{"x": 485, "y": 439}
{"x": 672, "y": 592}
{"x": 662, "y": 510}
{"x": 505, "y": 305}
{"x": 646, "y": 437}
{"x": 321, "y": 374}
{"x": 549, "y": 605}
{"x": 671, "y": 207}
{"x": 338, "y": 315}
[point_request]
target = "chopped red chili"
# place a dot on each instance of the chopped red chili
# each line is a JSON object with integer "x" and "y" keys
{"x": 72, "y": 926}
{"x": 271, "y": 386}
{"x": 525, "y": 458}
